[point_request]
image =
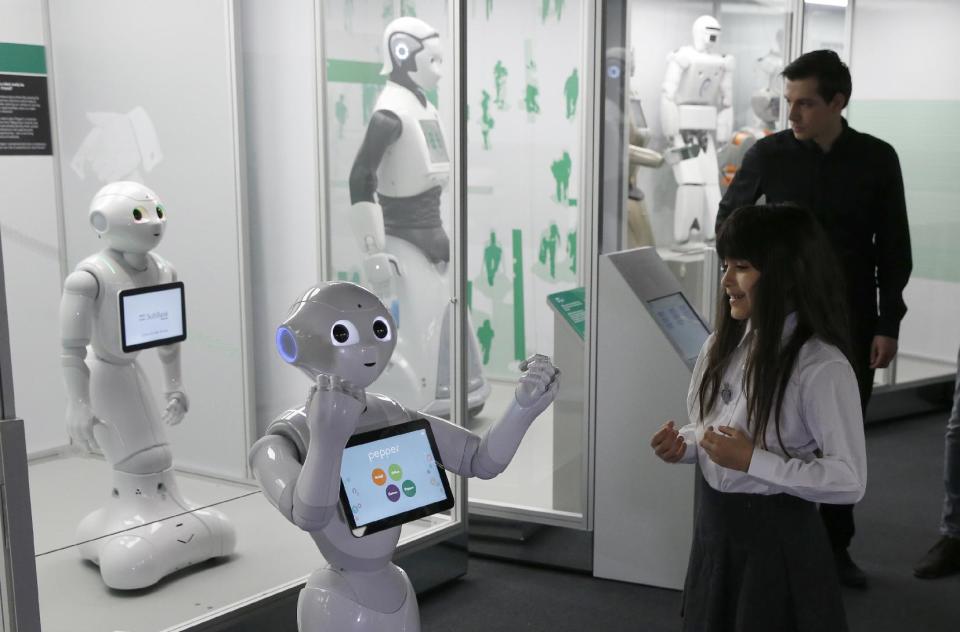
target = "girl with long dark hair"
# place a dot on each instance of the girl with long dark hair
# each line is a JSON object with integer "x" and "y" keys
{"x": 775, "y": 427}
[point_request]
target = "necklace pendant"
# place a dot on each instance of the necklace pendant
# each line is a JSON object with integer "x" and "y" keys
{"x": 726, "y": 393}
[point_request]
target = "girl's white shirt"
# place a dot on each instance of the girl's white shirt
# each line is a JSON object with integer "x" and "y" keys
{"x": 821, "y": 427}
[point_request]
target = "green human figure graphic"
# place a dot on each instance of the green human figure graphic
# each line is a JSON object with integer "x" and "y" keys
{"x": 571, "y": 90}
{"x": 408, "y": 7}
{"x": 530, "y": 101}
{"x": 491, "y": 258}
{"x": 341, "y": 114}
{"x": 548, "y": 249}
{"x": 486, "y": 121}
{"x": 500, "y": 82}
{"x": 561, "y": 175}
{"x": 544, "y": 10}
{"x": 572, "y": 250}
{"x": 485, "y": 336}
{"x": 558, "y": 5}
{"x": 489, "y": 8}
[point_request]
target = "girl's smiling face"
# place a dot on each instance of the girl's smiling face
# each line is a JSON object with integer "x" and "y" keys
{"x": 738, "y": 280}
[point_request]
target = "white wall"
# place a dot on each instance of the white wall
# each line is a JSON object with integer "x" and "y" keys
{"x": 31, "y": 259}
{"x": 904, "y": 56}
{"x": 278, "y": 53}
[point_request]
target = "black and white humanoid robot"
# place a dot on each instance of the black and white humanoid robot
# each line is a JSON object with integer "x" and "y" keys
{"x": 145, "y": 529}
{"x": 696, "y": 112}
{"x": 395, "y": 187}
{"x": 342, "y": 337}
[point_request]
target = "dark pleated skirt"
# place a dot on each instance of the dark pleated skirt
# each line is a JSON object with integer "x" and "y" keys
{"x": 760, "y": 564}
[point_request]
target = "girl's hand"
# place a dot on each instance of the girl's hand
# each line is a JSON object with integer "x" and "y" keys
{"x": 668, "y": 444}
{"x": 728, "y": 447}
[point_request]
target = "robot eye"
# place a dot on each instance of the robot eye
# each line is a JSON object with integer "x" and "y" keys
{"x": 381, "y": 329}
{"x": 137, "y": 214}
{"x": 344, "y": 333}
{"x": 159, "y": 211}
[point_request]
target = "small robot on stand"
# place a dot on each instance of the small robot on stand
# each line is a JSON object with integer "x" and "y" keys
{"x": 395, "y": 187}
{"x": 146, "y": 529}
{"x": 342, "y": 337}
{"x": 696, "y": 111}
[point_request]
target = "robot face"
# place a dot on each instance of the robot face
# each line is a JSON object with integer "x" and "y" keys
{"x": 338, "y": 329}
{"x": 706, "y": 33}
{"x": 129, "y": 217}
{"x": 429, "y": 62}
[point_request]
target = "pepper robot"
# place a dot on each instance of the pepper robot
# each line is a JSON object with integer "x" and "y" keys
{"x": 341, "y": 336}
{"x": 696, "y": 112}
{"x": 395, "y": 186}
{"x": 145, "y": 528}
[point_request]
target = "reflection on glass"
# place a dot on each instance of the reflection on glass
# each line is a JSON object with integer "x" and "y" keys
{"x": 824, "y": 26}
{"x": 524, "y": 121}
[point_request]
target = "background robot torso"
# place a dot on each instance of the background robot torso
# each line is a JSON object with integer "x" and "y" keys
{"x": 702, "y": 78}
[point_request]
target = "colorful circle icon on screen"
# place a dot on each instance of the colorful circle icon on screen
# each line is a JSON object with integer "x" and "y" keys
{"x": 379, "y": 477}
{"x": 409, "y": 488}
{"x": 393, "y": 493}
{"x": 395, "y": 472}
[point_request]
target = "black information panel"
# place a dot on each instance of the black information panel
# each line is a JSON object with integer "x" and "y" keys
{"x": 24, "y": 116}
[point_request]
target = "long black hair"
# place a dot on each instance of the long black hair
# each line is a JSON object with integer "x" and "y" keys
{"x": 798, "y": 273}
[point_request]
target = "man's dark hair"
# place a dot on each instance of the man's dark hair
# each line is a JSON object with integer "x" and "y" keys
{"x": 826, "y": 67}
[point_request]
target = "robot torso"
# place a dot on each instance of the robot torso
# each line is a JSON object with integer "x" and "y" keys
{"x": 114, "y": 274}
{"x": 418, "y": 160}
{"x": 701, "y": 82}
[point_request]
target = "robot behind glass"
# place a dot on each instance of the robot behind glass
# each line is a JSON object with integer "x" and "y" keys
{"x": 696, "y": 112}
{"x": 342, "y": 337}
{"x": 395, "y": 186}
{"x": 146, "y": 529}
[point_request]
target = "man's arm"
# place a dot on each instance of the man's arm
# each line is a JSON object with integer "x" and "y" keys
{"x": 746, "y": 186}
{"x": 894, "y": 259}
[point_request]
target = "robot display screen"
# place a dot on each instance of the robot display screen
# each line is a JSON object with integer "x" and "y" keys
{"x": 434, "y": 138}
{"x": 681, "y": 324}
{"x": 391, "y": 476}
{"x": 152, "y": 316}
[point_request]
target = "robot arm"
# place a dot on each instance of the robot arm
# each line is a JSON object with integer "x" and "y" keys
{"x": 725, "y": 109}
{"x": 276, "y": 464}
{"x": 677, "y": 62}
{"x": 177, "y": 402}
{"x": 485, "y": 457}
{"x": 80, "y": 291}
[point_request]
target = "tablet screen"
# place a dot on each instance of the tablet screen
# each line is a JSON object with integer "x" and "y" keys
{"x": 391, "y": 476}
{"x": 152, "y": 316}
{"x": 681, "y": 325}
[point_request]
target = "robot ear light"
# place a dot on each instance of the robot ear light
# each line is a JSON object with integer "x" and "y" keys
{"x": 287, "y": 345}
{"x": 98, "y": 220}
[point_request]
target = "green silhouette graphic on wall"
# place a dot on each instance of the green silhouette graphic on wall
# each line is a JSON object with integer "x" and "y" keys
{"x": 530, "y": 103}
{"x": 530, "y": 100}
{"x": 544, "y": 10}
{"x": 486, "y": 121}
{"x": 341, "y": 114}
{"x": 571, "y": 90}
{"x": 558, "y": 5}
{"x": 387, "y": 11}
{"x": 561, "y": 175}
{"x": 500, "y": 83}
{"x": 548, "y": 249}
{"x": 572, "y": 250}
{"x": 489, "y": 7}
{"x": 408, "y": 7}
{"x": 485, "y": 336}
{"x": 352, "y": 276}
{"x": 519, "y": 327}
{"x": 557, "y": 8}
{"x": 491, "y": 258}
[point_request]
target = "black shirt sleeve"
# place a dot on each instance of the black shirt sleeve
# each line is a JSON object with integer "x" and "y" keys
{"x": 746, "y": 186}
{"x": 383, "y": 130}
{"x": 894, "y": 258}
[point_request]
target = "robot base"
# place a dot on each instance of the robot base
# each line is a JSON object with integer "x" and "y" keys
{"x": 330, "y": 601}
{"x": 147, "y": 531}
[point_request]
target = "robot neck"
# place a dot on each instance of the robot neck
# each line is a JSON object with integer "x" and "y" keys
{"x": 136, "y": 260}
{"x": 401, "y": 78}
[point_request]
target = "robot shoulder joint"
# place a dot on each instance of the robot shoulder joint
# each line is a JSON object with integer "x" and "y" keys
{"x": 83, "y": 283}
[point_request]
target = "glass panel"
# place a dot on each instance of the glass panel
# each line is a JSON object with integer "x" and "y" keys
{"x": 824, "y": 26}
{"x": 389, "y": 156}
{"x": 525, "y": 99}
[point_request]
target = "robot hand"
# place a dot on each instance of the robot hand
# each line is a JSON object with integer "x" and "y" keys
{"x": 177, "y": 406}
{"x": 381, "y": 267}
{"x": 538, "y": 384}
{"x": 80, "y": 422}
{"x": 334, "y": 406}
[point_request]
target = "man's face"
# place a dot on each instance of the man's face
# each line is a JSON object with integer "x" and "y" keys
{"x": 810, "y": 116}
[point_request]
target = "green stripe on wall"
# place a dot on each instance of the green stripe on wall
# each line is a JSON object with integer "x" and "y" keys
{"x": 347, "y": 71}
{"x": 25, "y": 58}
{"x": 519, "y": 327}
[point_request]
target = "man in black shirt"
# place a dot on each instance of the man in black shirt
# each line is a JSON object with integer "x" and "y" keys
{"x": 852, "y": 182}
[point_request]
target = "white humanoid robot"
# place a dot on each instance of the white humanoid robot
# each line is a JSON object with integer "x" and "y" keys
{"x": 395, "y": 186}
{"x": 146, "y": 529}
{"x": 342, "y": 337}
{"x": 696, "y": 112}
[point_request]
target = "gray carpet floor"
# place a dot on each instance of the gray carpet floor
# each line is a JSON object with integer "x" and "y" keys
{"x": 896, "y": 523}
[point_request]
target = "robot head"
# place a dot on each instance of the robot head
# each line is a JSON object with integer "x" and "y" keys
{"x": 411, "y": 48}
{"x": 128, "y": 216}
{"x": 339, "y": 329}
{"x": 706, "y": 33}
